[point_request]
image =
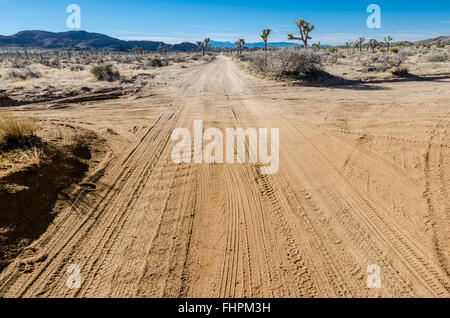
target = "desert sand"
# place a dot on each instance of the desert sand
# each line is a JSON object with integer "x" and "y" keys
{"x": 363, "y": 179}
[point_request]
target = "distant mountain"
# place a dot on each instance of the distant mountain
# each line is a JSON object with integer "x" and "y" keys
{"x": 441, "y": 38}
{"x": 223, "y": 45}
{"x": 84, "y": 41}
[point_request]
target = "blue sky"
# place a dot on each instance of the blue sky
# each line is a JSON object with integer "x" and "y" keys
{"x": 173, "y": 21}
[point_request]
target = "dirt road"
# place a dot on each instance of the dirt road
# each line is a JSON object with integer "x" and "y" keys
{"x": 363, "y": 179}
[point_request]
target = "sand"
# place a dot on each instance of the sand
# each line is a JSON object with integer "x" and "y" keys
{"x": 363, "y": 179}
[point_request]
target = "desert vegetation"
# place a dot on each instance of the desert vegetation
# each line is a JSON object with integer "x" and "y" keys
{"x": 31, "y": 75}
{"x": 361, "y": 59}
{"x": 28, "y": 76}
{"x": 348, "y": 63}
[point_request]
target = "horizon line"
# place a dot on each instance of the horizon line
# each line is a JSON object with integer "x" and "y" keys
{"x": 166, "y": 39}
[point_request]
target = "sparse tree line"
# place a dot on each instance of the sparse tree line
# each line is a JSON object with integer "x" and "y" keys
{"x": 305, "y": 28}
{"x": 285, "y": 61}
{"x": 295, "y": 62}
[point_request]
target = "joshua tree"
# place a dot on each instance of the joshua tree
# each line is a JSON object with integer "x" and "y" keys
{"x": 388, "y": 41}
{"x": 161, "y": 49}
{"x": 373, "y": 44}
{"x": 264, "y": 36}
{"x": 199, "y": 46}
{"x": 305, "y": 29}
{"x": 25, "y": 51}
{"x": 206, "y": 45}
{"x": 360, "y": 42}
{"x": 316, "y": 47}
{"x": 138, "y": 50}
{"x": 69, "y": 49}
{"x": 239, "y": 45}
{"x": 242, "y": 41}
{"x": 349, "y": 44}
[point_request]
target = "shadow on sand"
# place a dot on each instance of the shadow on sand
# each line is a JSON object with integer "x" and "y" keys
{"x": 27, "y": 198}
{"x": 327, "y": 80}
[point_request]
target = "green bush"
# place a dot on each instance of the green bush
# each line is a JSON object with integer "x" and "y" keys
{"x": 394, "y": 50}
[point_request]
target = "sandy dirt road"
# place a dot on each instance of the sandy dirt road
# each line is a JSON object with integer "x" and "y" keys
{"x": 363, "y": 179}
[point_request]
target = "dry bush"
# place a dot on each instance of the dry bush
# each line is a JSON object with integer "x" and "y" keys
{"x": 286, "y": 61}
{"x": 77, "y": 68}
{"x": 105, "y": 72}
{"x": 3, "y": 99}
{"x": 437, "y": 57}
{"x": 24, "y": 75}
{"x": 157, "y": 62}
{"x": 81, "y": 146}
{"x": 178, "y": 59}
{"x": 27, "y": 156}
{"x": 208, "y": 58}
{"x": 15, "y": 132}
{"x": 395, "y": 63}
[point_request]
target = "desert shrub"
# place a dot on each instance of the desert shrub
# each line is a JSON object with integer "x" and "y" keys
{"x": 260, "y": 61}
{"x": 395, "y": 63}
{"x": 80, "y": 147}
{"x": 394, "y": 50}
{"x": 3, "y": 99}
{"x": 399, "y": 71}
{"x": 24, "y": 75}
{"x": 396, "y": 60}
{"x": 178, "y": 59}
{"x": 156, "y": 62}
{"x": 196, "y": 57}
{"x": 208, "y": 58}
{"x": 437, "y": 57}
{"x": 286, "y": 61}
{"x": 77, "y": 68}
{"x": 140, "y": 67}
{"x": 105, "y": 72}
{"x": 332, "y": 58}
{"x": 16, "y": 132}
{"x": 52, "y": 63}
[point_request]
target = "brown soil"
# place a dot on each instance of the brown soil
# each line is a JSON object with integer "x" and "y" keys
{"x": 364, "y": 177}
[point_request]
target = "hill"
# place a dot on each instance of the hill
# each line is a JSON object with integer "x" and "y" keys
{"x": 440, "y": 38}
{"x": 83, "y": 40}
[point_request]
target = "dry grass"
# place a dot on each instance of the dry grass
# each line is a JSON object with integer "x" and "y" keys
{"x": 18, "y": 140}
{"x": 19, "y": 145}
{"x": 45, "y": 68}
{"x": 12, "y": 127}
{"x": 21, "y": 157}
